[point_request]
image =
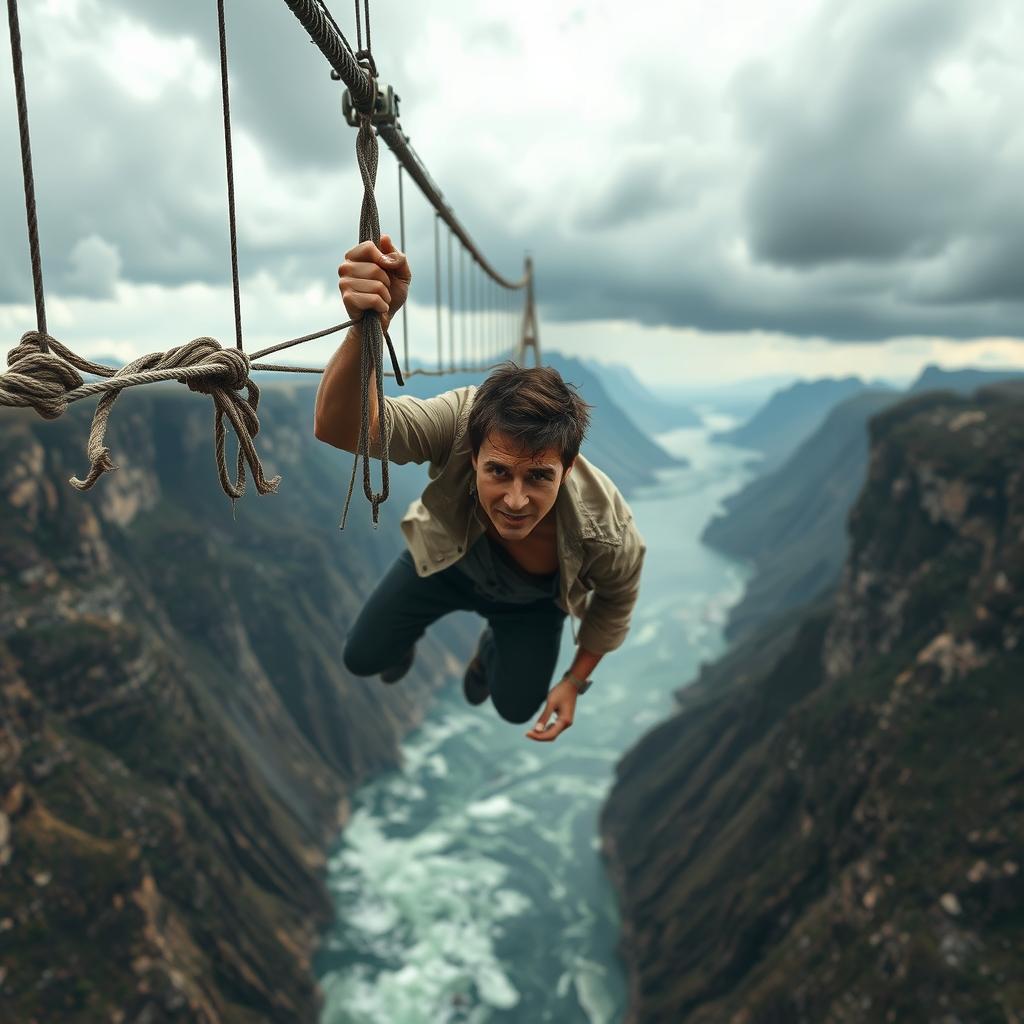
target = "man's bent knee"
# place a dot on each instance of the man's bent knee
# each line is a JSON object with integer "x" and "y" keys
{"x": 359, "y": 661}
{"x": 515, "y": 711}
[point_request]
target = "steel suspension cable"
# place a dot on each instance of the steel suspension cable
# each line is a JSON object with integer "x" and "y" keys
{"x": 229, "y": 165}
{"x": 451, "y": 305}
{"x": 26, "y": 171}
{"x": 330, "y": 17}
{"x": 437, "y": 286}
{"x": 465, "y": 303}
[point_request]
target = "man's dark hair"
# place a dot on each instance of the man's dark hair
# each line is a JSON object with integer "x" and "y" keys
{"x": 532, "y": 405}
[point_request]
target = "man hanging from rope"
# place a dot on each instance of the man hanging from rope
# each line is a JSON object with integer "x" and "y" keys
{"x": 515, "y": 524}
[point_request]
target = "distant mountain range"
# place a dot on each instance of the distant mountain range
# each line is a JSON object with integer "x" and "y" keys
{"x": 739, "y": 397}
{"x": 790, "y": 522}
{"x": 789, "y": 416}
{"x": 652, "y": 414}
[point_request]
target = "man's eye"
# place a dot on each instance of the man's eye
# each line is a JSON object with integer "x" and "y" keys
{"x": 535, "y": 477}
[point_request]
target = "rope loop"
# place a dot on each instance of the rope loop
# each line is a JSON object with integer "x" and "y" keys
{"x": 37, "y": 378}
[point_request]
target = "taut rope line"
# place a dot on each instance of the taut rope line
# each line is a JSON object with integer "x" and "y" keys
{"x": 26, "y": 168}
{"x": 230, "y": 165}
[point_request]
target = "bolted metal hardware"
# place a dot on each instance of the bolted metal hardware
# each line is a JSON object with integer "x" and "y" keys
{"x": 385, "y": 108}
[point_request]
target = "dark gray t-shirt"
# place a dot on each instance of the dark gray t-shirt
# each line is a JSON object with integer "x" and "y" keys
{"x": 499, "y": 577}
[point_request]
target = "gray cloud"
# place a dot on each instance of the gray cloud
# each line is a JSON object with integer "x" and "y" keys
{"x": 844, "y": 171}
{"x": 95, "y": 266}
{"x": 133, "y": 175}
{"x": 641, "y": 186}
{"x": 836, "y": 191}
{"x": 280, "y": 84}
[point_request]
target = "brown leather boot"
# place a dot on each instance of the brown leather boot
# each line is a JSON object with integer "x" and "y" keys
{"x": 474, "y": 682}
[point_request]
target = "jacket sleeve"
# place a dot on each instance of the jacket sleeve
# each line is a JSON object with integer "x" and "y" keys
{"x": 615, "y": 575}
{"x": 419, "y": 429}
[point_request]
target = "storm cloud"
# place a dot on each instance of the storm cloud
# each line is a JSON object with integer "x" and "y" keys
{"x": 823, "y": 169}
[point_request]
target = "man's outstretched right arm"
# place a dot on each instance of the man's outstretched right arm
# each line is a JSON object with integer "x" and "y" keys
{"x": 370, "y": 278}
{"x": 338, "y": 412}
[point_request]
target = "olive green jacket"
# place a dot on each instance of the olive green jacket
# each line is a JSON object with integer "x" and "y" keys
{"x": 600, "y": 551}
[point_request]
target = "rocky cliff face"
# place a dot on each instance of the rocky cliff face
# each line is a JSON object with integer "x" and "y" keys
{"x": 178, "y": 737}
{"x": 832, "y": 827}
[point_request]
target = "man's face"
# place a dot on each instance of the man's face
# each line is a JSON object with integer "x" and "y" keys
{"x": 516, "y": 491}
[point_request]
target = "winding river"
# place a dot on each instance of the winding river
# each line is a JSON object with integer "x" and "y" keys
{"x": 468, "y": 885}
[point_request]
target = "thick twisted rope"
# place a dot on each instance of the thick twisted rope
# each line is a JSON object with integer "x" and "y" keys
{"x": 372, "y": 332}
{"x": 48, "y": 381}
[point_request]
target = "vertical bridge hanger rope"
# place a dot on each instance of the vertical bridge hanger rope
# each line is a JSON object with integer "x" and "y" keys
{"x": 45, "y": 375}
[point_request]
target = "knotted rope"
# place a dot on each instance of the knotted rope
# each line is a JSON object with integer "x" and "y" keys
{"x": 44, "y": 375}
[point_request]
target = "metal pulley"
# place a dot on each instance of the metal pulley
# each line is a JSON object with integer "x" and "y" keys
{"x": 385, "y": 107}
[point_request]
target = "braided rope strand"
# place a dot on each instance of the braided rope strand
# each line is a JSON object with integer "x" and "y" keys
{"x": 372, "y": 334}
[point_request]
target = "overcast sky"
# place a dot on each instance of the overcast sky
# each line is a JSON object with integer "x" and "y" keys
{"x": 708, "y": 191}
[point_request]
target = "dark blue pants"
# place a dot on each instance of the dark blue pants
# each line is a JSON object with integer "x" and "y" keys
{"x": 518, "y": 649}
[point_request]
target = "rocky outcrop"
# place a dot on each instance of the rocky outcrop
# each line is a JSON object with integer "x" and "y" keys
{"x": 178, "y": 737}
{"x": 830, "y": 829}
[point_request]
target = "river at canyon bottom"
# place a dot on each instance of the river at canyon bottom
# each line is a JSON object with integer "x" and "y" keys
{"x": 468, "y": 885}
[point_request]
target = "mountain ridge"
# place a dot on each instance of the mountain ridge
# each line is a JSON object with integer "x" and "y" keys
{"x": 777, "y": 845}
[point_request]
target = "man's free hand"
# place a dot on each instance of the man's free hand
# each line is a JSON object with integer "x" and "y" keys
{"x": 374, "y": 278}
{"x": 561, "y": 702}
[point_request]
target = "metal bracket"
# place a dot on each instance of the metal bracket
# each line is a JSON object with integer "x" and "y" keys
{"x": 385, "y": 108}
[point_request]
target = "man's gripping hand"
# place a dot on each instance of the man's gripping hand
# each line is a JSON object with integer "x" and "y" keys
{"x": 374, "y": 278}
{"x": 561, "y": 702}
